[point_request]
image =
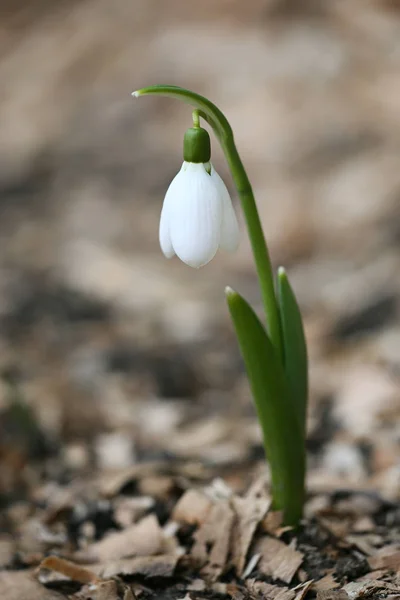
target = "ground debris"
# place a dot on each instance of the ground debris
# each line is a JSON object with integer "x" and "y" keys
{"x": 7, "y": 550}
{"x": 66, "y": 568}
{"x": 144, "y": 566}
{"x": 142, "y": 539}
{"x": 250, "y": 510}
{"x": 362, "y": 589}
{"x": 192, "y": 508}
{"x": 212, "y": 540}
{"x": 21, "y": 585}
{"x": 386, "y": 558}
{"x": 278, "y": 560}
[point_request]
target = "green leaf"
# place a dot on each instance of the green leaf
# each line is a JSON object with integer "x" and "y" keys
{"x": 283, "y": 439}
{"x": 294, "y": 346}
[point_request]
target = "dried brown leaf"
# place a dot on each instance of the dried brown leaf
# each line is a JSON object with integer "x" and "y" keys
{"x": 145, "y": 566}
{"x": 332, "y": 595}
{"x": 278, "y": 560}
{"x": 386, "y": 558}
{"x": 250, "y": 511}
{"x": 325, "y": 583}
{"x": 212, "y": 540}
{"x": 302, "y": 589}
{"x": 360, "y": 589}
{"x": 264, "y": 589}
{"x": 21, "y": 585}
{"x": 272, "y": 522}
{"x": 193, "y": 508}
{"x": 141, "y": 539}
{"x": 7, "y": 550}
{"x": 105, "y": 590}
{"x": 68, "y": 569}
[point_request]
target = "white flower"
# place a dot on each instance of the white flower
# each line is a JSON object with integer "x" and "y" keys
{"x": 197, "y": 217}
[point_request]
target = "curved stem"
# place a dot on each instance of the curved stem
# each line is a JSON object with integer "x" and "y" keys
{"x": 223, "y": 132}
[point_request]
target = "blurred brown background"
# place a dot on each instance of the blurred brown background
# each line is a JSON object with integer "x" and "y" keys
{"x": 112, "y": 354}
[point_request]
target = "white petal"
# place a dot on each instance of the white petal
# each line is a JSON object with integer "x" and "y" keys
{"x": 195, "y": 216}
{"x": 164, "y": 231}
{"x": 229, "y": 239}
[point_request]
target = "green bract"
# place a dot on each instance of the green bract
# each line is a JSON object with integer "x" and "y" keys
{"x": 275, "y": 356}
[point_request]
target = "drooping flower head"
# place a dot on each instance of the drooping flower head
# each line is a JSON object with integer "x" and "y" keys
{"x": 197, "y": 216}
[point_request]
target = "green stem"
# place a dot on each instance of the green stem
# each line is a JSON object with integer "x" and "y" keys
{"x": 223, "y": 132}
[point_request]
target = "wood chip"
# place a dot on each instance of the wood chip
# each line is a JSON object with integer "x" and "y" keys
{"x": 332, "y": 595}
{"x": 326, "y": 583}
{"x": 212, "y": 540}
{"x": 273, "y": 522}
{"x": 21, "y": 585}
{"x": 264, "y": 589}
{"x": 142, "y": 539}
{"x": 192, "y": 508}
{"x": 7, "y": 551}
{"x": 360, "y": 589}
{"x": 145, "y": 566}
{"x": 250, "y": 511}
{"x": 386, "y": 558}
{"x": 302, "y": 589}
{"x": 278, "y": 560}
{"x": 68, "y": 569}
{"x": 105, "y": 590}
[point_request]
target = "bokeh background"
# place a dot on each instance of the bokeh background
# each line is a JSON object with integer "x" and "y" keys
{"x": 110, "y": 354}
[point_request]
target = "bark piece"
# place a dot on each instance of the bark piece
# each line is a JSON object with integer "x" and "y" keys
{"x": 212, "y": 540}
{"x": 278, "y": 560}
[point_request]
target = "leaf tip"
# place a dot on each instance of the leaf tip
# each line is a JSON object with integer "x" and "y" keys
{"x": 136, "y": 94}
{"x": 282, "y": 273}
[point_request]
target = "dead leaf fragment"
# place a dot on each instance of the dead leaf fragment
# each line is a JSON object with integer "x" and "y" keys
{"x": 250, "y": 511}
{"x": 264, "y": 589}
{"x": 145, "y": 566}
{"x": 105, "y": 590}
{"x": 387, "y": 558}
{"x": 212, "y": 540}
{"x": 325, "y": 583}
{"x": 360, "y": 589}
{"x": 332, "y": 595}
{"x": 278, "y": 560}
{"x": 142, "y": 539}
{"x": 21, "y": 585}
{"x": 7, "y": 551}
{"x": 272, "y": 522}
{"x": 192, "y": 508}
{"x": 68, "y": 569}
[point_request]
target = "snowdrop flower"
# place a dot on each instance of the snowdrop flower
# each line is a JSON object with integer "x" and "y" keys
{"x": 197, "y": 216}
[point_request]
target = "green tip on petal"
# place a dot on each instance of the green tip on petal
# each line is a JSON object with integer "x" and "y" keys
{"x": 196, "y": 145}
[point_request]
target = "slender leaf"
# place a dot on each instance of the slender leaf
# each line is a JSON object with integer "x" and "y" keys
{"x": 294, "y": 346}
{"x": 283, "y": 439}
